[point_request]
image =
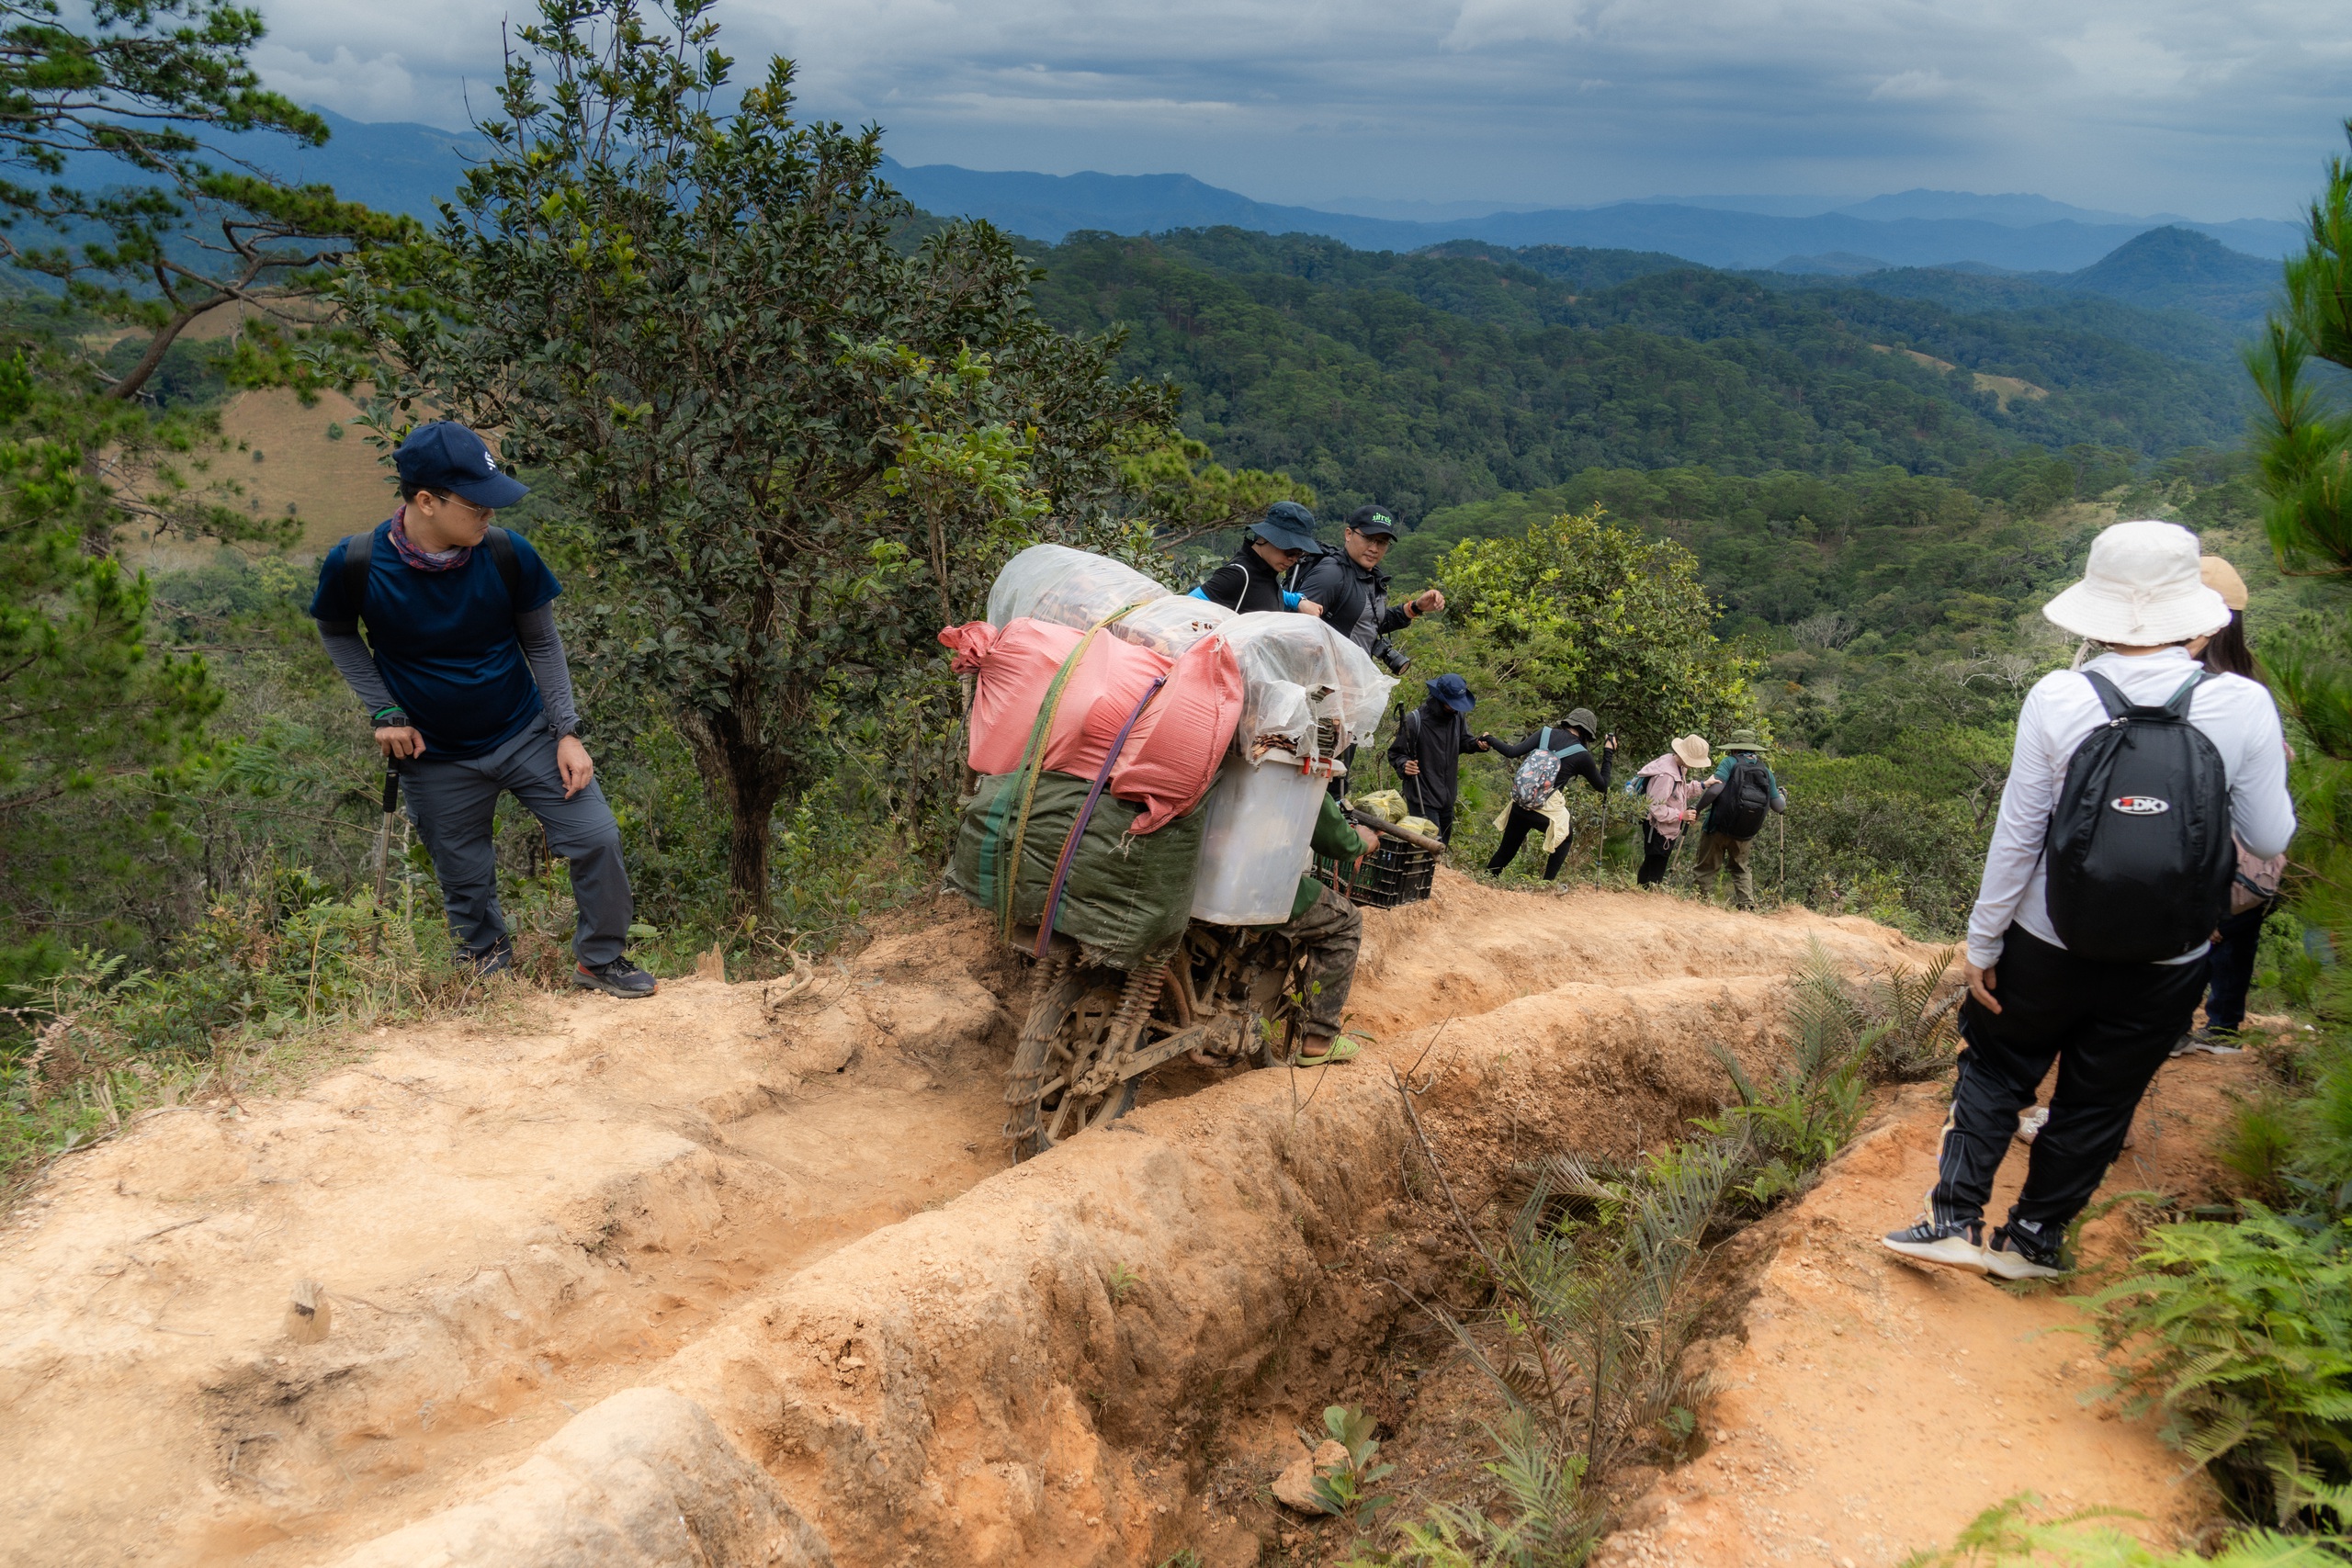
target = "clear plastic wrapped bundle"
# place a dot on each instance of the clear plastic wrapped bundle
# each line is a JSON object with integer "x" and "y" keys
{"x": 1305, "y": 687}
{"x": 1171, "y": 626}
{"x": 1067, "y": 588}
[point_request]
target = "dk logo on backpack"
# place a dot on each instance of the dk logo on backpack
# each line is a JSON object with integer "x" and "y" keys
{"x": 2140, "y": 853}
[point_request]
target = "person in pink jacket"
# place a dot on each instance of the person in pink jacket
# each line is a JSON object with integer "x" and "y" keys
{"x": 1670, "y": 786}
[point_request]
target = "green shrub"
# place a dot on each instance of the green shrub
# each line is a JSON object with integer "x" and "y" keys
{"x": 2004, "y": 1535}
{"x": 2241, "y": 1336}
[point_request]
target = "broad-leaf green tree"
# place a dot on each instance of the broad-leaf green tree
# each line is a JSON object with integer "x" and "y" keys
{"x": 1581, "y": 611}
{"x": 696, "y": 322}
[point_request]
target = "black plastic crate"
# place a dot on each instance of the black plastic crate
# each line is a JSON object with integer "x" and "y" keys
{"x": 1392, "y": 875}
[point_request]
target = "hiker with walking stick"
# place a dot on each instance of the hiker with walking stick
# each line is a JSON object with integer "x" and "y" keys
{"x": 1539, "y": 787}
{"x": 1669, "y": 788}
{"x": 1430, "y": 742}
{"x": 469, "y": 696}
{"x": 1742, "y": 796}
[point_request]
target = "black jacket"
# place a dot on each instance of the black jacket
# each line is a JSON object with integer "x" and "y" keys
{"x": 1437, "y": 738}
{"x": 1579, "y": 765}
{"x": 1245, "y": 584}
{"x": 1354, "y": 598}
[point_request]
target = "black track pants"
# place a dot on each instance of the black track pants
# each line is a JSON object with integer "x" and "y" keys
{"x": 1657, "y": 851}
{"x": 2108, "y": 1026}
{"x": 1516, "y": 827}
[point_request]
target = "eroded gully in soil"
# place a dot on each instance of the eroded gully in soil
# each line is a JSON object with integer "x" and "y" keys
{"x": 635, "y": 1282}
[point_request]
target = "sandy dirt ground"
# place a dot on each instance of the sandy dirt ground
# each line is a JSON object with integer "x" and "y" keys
{"x": 1873, "y": 1406}
{"x": 702, "y": 1275}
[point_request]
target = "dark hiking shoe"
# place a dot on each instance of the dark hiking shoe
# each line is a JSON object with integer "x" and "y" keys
{"x": 2019, "y": 1252}
{"x": 1955, "y": 1246}
{"x": 496, "y": 959}
{"x": 620, "y": 978}
{"x": 2210, "y": 1041}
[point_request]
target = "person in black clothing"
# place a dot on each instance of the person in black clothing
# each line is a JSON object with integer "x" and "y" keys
{"x": 1252, "y": 579}
{"x": 1429, "y": 749}
{"x": 1352, "y": 589}
{"x": 1583, "y": 725}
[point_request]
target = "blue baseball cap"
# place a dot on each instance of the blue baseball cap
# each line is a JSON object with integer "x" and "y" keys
{"x": 1287, "y": 525}
{"x": 444, "y": 455}
{"x": 1453, "y": 691}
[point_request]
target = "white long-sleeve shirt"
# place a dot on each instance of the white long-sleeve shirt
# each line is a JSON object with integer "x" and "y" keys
{"x": 2060, "y": 714}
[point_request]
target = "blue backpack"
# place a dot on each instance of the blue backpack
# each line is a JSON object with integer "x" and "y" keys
{"x": 1539, "y": 772}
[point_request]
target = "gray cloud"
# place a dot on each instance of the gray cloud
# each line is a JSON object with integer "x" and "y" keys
{"x": 2219, "y": 110}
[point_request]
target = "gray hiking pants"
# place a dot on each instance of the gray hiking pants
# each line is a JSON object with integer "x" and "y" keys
{"x": 451, "y": 801}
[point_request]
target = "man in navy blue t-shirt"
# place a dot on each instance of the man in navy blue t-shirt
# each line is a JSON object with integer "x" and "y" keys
{"x": 470, "y": 695}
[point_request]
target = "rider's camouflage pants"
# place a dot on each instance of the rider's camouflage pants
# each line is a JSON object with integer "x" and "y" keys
{"x": 1326, "y": 937}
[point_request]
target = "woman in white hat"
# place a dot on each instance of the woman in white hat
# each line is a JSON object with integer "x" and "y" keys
{"x": 2255, "y": 893}
{"x": 1670, "y": 786}
{"x": 2108, "y": 1024}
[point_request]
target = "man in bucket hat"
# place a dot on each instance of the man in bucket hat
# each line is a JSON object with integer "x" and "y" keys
{"x": 2107, "y": 1019}
{"x": 1744, "y": 790}
{"x": 467, "y": 689}
{"x": 1428, "y": 751}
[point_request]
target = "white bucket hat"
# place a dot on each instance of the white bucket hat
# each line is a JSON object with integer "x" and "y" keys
{"x": 2142, "y": 589}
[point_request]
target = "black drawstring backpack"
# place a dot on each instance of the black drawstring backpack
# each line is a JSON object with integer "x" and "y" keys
{"x": 2139, "y": 855}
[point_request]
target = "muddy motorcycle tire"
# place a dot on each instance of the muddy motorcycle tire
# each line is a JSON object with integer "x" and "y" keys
{"x": 1071, "y": 1025}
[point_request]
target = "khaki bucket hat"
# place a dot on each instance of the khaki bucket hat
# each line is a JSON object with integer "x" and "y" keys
{"x": 1692, "y": 751}
{"x": 2223, "y": 578}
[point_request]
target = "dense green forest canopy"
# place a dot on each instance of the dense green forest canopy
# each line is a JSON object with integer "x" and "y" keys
{"x": 1432, "y": 379}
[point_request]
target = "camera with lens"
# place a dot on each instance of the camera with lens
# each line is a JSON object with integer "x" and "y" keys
{"x": 1389, "y": 653}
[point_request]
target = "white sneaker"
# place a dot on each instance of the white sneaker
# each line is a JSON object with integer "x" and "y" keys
{"x": 1955, "y": 1246}
{"x": 2031, "y": 1121}
{"x": 2008, "y": 1259}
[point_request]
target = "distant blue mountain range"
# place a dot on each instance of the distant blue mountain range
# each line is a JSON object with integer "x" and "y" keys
{"x": 1898, "y": 230}
{"x": 406, "y": 168}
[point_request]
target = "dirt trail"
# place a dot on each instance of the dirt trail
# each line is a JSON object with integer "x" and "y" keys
{"x": 511, "y": 1225}
{"x": 631, "y": 1282}
{"x": 1877, "y": 1406}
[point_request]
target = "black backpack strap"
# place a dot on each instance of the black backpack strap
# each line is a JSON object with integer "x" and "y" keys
{"x": 510, "y": 565}
{"x": 2116, "y": 703}
{"x": 358, "y": 555}
{"x": 358, "y": 552}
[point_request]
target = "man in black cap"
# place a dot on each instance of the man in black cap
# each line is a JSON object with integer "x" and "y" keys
{"x": 1352, "y": 589}
{"x": 1252, "y": 579}
{"x": 1430, "y": 742}
{"x": 469, "y": 696}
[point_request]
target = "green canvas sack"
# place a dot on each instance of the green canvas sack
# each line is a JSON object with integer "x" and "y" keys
{"x": 1127, "y": 899}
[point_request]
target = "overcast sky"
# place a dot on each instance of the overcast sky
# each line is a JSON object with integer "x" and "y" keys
{"x": 2213, "y": 109}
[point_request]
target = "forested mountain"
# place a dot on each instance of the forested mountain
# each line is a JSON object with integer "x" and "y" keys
{"x": 2198, "y": 296}
{"x": 1435, "y": 379}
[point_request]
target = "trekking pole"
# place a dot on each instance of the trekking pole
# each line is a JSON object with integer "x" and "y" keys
{"x": 1781, "y": 826}
{"x": 384, "y": 829}
{"x": 1600, "y": 844}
